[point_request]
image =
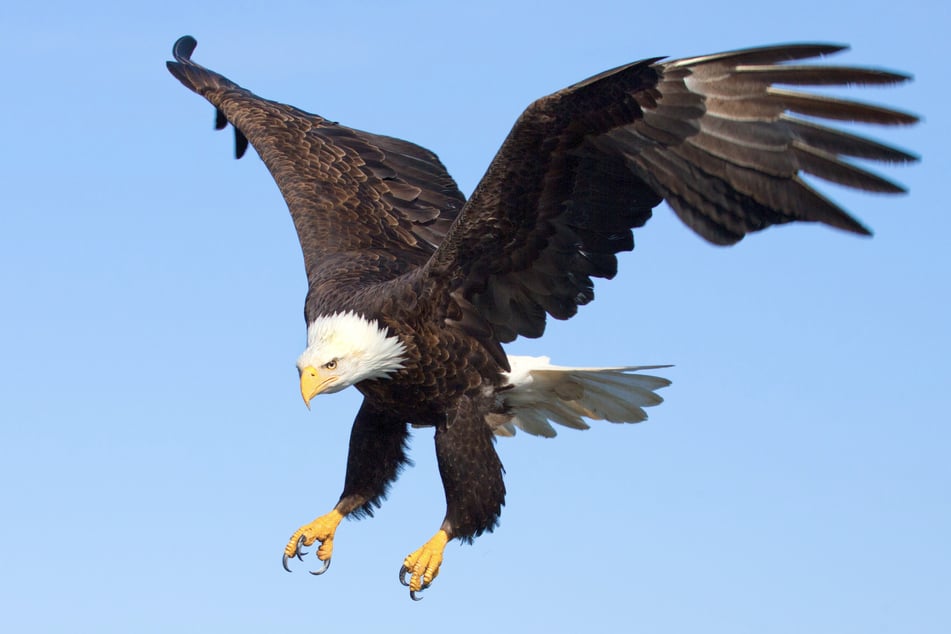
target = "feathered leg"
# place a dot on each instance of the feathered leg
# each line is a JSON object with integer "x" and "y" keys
{"x": 377, "y": 454}
{"x": 475, "y": 492}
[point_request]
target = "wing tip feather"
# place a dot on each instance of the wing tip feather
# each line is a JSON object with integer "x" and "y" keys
{"x": 183, "y": 48}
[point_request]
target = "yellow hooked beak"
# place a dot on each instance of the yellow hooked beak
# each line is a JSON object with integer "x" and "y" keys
{"x": 314, "y": 381}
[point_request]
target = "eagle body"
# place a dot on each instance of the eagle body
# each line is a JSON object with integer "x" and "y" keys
{"x": 413, "y": 288}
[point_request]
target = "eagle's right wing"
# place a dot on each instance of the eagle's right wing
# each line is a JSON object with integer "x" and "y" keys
{"x": 352, "y": 195}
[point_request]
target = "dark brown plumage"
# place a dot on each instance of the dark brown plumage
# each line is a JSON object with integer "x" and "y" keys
{"x": 387, "y": 235}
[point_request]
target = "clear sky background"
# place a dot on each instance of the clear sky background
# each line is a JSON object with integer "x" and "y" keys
{"x": 154, "y": 451}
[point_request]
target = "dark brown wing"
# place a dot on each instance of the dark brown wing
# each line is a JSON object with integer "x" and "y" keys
{"x": 348, "y": 191}
{"x": 712, "y": 135}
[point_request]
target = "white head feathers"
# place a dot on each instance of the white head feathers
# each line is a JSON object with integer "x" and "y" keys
{"x": 359, "y": 347}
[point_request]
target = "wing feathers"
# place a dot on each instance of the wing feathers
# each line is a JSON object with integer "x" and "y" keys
{"x": 724, "y": 138}
{"x": 839, "y": 109}
{"x": 821, "y": 75}
{"x": 740, "y": 171}
{"x": 348, "y": 191}
{"x": 759, "y": 55}
{"x": 827, "y": 166}
{"x": 843, "y": 143}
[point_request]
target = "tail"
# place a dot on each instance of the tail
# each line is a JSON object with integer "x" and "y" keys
{"x": 206, "y": 83}
{"x": 540, "y": 394}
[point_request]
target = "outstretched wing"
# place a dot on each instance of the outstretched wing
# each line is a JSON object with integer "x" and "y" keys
{"x": 713, "y": 135}
{"x": 348, "y": 191}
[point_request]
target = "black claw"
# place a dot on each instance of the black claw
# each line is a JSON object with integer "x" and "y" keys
{"x": 299, "y": 554}
{"x": 322, "y": 570}
{"x": 412, "y": 593}
{"x": 414, "y": 596}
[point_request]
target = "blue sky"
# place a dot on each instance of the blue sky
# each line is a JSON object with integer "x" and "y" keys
{"x": 154, "y": 452}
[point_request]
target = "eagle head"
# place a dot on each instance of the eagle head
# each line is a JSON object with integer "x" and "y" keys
{"x": 344, "y": 349}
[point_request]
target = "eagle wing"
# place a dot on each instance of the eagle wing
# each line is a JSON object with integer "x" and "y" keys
{"x": 713, "y": 135}
{"x": 349, "y": 192}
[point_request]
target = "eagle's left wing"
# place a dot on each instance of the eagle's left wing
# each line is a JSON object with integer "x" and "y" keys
{"x": 715, "y": 136}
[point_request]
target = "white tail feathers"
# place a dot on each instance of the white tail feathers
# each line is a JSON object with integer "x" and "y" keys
{"x": 541, "y": 394}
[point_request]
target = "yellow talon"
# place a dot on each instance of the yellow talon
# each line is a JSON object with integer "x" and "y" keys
{"x": 321, "y": 529}
{"x": 423, "y": 565}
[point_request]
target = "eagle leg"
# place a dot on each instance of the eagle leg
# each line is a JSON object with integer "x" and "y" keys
{"x": 320, "y": 530}
{"x": 423, "y": 564}
{"x": 471, "y": 475}
{"x": 377, "y": 454}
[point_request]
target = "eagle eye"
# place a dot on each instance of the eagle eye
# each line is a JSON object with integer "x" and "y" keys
{"x": 331, "y": 365}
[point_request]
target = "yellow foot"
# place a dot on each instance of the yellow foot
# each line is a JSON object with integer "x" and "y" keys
{"x": 423, "y": 565}
{"x": 320, "y": 530}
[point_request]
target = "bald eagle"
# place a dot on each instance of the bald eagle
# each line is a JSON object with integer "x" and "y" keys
{"x": 413, "y": 289}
